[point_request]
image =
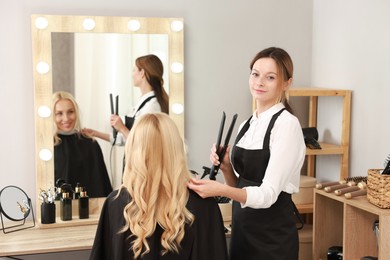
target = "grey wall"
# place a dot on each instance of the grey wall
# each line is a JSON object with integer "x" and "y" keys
{"x": 351, "y": 50}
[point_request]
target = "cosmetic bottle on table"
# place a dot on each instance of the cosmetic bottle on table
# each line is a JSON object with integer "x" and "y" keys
{"x": 66, "y": 207}
{"x": 83, "y": 205}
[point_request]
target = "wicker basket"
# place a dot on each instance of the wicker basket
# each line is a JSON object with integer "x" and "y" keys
{"x": 378, "y": 188}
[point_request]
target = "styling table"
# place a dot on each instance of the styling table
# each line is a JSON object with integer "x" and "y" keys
{"x": 38, "y": 240}
{"x": 63, "y": 237}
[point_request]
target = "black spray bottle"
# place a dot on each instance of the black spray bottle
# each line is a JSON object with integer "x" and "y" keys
{"x": 66, "y": 207}
{"x": 83, "y": 205}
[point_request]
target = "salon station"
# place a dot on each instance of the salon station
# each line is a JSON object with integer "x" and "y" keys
{"x": 88, "y": 48}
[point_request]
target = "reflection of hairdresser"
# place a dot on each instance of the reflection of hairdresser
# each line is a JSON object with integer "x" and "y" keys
{"x": 148, "y": 76}
{"x": 154, "y": 215}
{"x": 77, "y": 157}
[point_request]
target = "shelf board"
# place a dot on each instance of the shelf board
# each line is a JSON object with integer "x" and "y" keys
{"x": 309, "y": 92}
{"x": 326, "y": 149}
{"x": 305, "y": 208}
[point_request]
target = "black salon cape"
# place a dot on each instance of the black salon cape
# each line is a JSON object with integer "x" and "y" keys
{"x": 78, "y": 159}
{"x": 204, "y": 240}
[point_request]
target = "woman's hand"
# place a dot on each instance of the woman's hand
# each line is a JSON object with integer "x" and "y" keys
{"x": 215, "y": 160}
{"x": 116, "y": 122}
{"x": 206, "y": 188}
{"x": 88, "y": 132}
{"x": 209, "y": 188}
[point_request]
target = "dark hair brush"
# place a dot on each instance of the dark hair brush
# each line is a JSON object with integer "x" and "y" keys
{"x": 387, "y": 165}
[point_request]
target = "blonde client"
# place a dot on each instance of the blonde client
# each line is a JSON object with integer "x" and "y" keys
{"x": 154, "y": 215}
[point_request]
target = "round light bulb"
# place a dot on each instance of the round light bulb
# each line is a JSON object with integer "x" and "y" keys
{"x": 176, "y": 26}
{"x": 88, "y": 24}
{"x": 177, "y": 67}
{"x": 45, "y": 155}
{"x": 43, "y": 67}
{"x": 44, "y": 111}
{"x": 41, "y": 23}
{"x": 134, "y": 25}
{"x": 177, "y": 108}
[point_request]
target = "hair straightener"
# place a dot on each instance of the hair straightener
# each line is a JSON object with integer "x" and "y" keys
{"x": 114, "y": 112}
{"x": 221, "y": 151}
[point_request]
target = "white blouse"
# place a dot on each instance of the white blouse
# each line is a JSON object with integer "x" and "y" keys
{"x": 152, "y": 106}
{"x": 287, "y": 154}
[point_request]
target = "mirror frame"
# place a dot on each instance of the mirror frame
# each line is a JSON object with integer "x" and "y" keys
{"x": 41, "y": 43}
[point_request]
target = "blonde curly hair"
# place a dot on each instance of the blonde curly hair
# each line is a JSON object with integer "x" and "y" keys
{"x": 155, "y": 175}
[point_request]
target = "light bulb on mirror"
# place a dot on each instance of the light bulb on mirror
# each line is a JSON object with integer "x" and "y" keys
{"x": 41, "y": 23}
{"x": 45, "y": 155}
{"x": 89, "y": 24}
{"x": 177, "y": 67}
{"x": 134, "y": 25}
{"x": 177, "y": 108}
{"x": 43, "y": 67}
{"x": 44, "y": 111}
{"x": 176, "y": 26}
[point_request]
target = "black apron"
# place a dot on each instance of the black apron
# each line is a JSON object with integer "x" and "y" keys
{"x": 261, "y": 234}
{"x": 129, "y": 120}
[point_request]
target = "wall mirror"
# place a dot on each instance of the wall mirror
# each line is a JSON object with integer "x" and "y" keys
{"x": 62, "y": 52}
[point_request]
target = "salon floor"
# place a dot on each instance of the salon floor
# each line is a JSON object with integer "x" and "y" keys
{"x": 77, "y": 255}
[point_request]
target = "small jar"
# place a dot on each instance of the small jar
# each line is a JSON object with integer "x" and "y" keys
{"x": 48, "y": 212}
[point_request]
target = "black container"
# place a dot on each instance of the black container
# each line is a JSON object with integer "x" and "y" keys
{"x": 83, "y": 205}
{"x": 335, "y": 253}
{"x": 66, "y": 207}
{"x": 48, "y": 213}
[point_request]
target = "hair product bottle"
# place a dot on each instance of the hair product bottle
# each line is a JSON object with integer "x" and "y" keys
{"x": 83, "y": 205}
{"x": 77, "y": 191}
{"x": 66, "y": 207}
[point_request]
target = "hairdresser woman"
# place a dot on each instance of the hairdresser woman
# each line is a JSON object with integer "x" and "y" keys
{"x": 264, "y": 168}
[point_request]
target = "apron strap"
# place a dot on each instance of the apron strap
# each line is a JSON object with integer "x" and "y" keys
{"x": 143, "y": 103}
{"x": 270, "y": 126}
{"x": 243, "y": 130}
{"x": 299, "y": 217}
{"x": 129, "y": 121}
{"x": 268, "y": 133}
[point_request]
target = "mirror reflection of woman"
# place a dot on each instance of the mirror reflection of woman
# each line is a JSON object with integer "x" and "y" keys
{"x": 153, "y": 215}
{"x": 148, "y": 76}
{"x": 78, "y": 158}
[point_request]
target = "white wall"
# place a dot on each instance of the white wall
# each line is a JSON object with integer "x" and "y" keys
{"x": 351, "y": 50}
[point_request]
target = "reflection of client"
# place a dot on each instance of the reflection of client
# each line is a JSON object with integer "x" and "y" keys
{"x": 77, "y": 157}
{"x": 148, "y": 76}
{"x": 154, "y": 215}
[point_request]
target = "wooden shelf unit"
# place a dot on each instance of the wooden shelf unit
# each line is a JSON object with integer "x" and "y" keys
{"x": 341, "y": 149}
{"x": 348, "y": 223}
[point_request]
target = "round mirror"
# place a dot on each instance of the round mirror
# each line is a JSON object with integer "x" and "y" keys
{"x": 14, "y": 203}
